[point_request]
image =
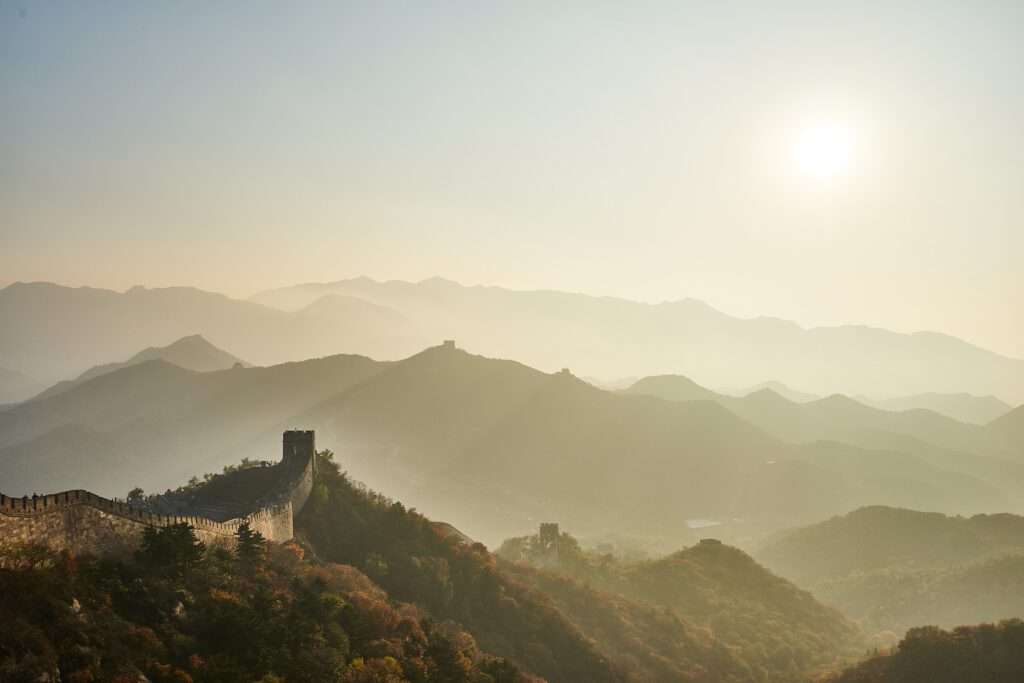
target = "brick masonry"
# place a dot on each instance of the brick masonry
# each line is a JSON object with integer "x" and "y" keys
{"x": 82, "y": 522}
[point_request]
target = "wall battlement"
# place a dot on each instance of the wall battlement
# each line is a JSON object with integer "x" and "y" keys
{"x": 81, "y": 521}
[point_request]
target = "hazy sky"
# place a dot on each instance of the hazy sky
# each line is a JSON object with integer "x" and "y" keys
{"x": 637, "y": 149}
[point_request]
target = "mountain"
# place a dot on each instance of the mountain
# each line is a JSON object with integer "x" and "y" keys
{"x": 963, "y": 407}
{"x": 609, "y": 337}
{"x": 992, "y": 653}
{"x": 73, "y": 620}
{"x": 893, "y": 568}
{"x": 495, "y": 445}
{"x": 781, "y": 389}
{"x": 491, "y": 445}
{"x": 192, "y": 353}
{"x": 595, "y": 336}
{"x": 671, "y": 388}
{"x": 16, "y": 386}
{"x": 835, "y": 417}
{"x": 1009, "y": 428}
{"x": 709, "y": 586}
{"x": 880, "y": 537}
{"x": 154, "y": 424}
{"x": 993, "y": 454}
{"x": 697, "y": 620}
{"x": 99, "y": 326}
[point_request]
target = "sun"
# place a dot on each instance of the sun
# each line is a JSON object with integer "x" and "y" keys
{"x": 823, "y": 151}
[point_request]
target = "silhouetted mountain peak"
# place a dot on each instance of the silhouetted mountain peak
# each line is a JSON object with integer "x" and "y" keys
{"x": 672, "y": 387}
{"x": 767, "y": 396}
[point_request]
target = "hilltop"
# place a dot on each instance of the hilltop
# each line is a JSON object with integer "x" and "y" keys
{"x": 491, "y": 445}
{"x": 16, "y": 386}
{"x": 894, "y": 568}
{"x": 610, "y": 337}
{"x": 193, "y": 352}
{"x": 968, "y": 456}
{"x": 963, "y": 407}
{"x": 987, "y": 652}
{"x": 110, "y": 326}
{"x": 596, "y": 336}
{"x": 155, "y": 424}
{"x": 710, "y": 587}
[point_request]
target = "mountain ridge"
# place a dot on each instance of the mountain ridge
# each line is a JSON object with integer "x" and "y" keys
{"x": 639, "y": 338}
{"x": 192, "y": 352}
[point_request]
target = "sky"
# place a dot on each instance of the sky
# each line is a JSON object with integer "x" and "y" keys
{"x": 650, "y": 150}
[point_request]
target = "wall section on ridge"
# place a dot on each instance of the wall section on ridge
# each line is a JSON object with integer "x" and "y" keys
{"x": 79, "y": 521}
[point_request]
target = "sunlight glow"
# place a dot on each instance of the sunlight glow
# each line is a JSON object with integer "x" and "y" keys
{"x": 824, "y": 150}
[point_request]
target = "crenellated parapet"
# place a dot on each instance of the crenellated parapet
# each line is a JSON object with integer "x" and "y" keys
{"x": 81, "y": 521}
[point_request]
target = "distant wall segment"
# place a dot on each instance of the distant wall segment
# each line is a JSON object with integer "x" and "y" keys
{"x": 82, "y": 522}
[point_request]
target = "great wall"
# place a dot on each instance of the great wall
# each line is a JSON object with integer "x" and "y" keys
{"x": 82, "y": 522}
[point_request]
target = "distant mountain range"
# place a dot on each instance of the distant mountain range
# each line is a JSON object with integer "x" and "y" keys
{"x": 52, "y": 333}
{"x": 963, "y": 407}
{"x": 924, "y": 433}
{"x": 192, "y": 353}
{"x": 893, "y": 568}
{"x": 16, "y": 386}
{"x": 709, "y": 587}
{"x": 494, "y": 446}
{"x": 609, "y": 337}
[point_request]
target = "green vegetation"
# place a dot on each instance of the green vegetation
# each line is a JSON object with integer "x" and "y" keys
{"x": 775, "y": 631}
{"x": 893, "y": 569}
{"x": 984, "y": 654}
{"x": 491, "y": 445}
{"x": 181, "y": 613}
{"x": 415, "y": 561}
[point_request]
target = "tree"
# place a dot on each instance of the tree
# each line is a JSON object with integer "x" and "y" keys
{"x": 251, "y": 548}
{"x": 173, "y": 549}
{"x": 136, "y": 495}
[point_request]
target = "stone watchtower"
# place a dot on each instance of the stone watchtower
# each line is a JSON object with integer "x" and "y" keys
{"x": 549, "y": 536}
{"x": 299, "y": 448}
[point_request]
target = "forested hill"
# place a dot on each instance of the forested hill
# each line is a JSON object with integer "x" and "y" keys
{"x": 880, "y": 537}
{"x": 487, "y": 444}
{"x": 408, "y": 556}
{"x": 894, "y": 569}
{"x": 988, "y": 653}
{"x": 777, "y": 631}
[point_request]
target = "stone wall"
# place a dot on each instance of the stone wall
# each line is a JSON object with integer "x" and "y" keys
{"x": 82, "y": 522}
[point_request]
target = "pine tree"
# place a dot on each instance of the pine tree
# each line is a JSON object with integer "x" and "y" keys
{"x": 251, "y": 547}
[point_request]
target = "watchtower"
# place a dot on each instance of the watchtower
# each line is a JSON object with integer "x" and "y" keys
{"x": 299, "y": 448}
{"x": 549, "y": 536}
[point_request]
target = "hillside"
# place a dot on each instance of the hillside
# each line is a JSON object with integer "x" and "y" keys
{"x": 893, "y": 569}
{"x": 883, "y": 537}
{"x": 963, "y": 407}
{"x": 993, "y": 653}
{"x": 211, "y": 615}
{"x": 895, "y": 599}
{"x": 692, "y": 619}
{"x": 790, "y": 394}
{"x": 110, "y": 326}
{"x": 191, "y": 353}
{"x": 388, "y": 595}
{"x": 491, "y": 445}
{"x": 991, "y": 455}
{"x": 1008, "y": 429}
{"x": 154, "y": 424}
{"x": 836, "y": 418}
{"x": 16, "y": 386}
{"x": 779, "y": 631}
{"x": 609, "y": 337}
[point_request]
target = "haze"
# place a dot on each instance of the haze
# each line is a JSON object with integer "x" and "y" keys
{"x": 645, "y": 153}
